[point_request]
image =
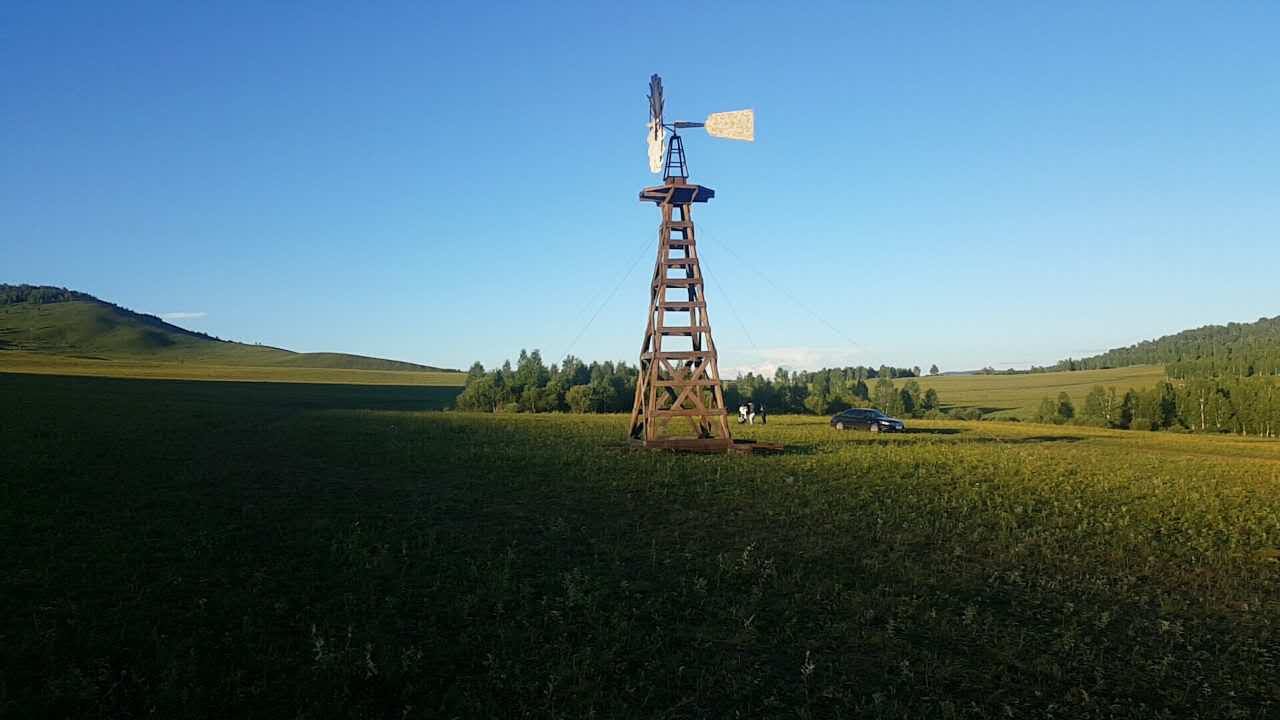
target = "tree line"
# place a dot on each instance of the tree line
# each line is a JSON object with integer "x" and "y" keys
{"x": 1231, "y": 350}
{"x": 39, "y": 294}
{"x": 531, "y": 386}
{"x": 1242, "y": 405}
{"x": 572, "y": 385}
{"x": 830, "y": 390}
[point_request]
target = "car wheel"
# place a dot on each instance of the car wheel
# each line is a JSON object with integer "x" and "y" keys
{"x": 840, "y": 426}
{"x": 875, "y": 427}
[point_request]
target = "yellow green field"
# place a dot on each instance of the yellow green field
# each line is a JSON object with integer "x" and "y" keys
{"x": 1001, "y": 395}
{"x": 46, "y": 364}
{"x": 1018, "y": 395}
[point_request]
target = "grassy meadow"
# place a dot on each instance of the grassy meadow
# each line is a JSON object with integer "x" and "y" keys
{"x": 12, "y": 361}
{"x": 196, "y": 549}
{"x": 1018, "y": 396}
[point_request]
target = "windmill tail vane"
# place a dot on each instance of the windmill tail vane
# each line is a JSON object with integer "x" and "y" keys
{"x": 734, "y": 125}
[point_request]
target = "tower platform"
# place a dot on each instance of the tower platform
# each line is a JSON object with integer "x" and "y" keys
{"x": 677, "y": 192}
{"x": 711, "y": 446}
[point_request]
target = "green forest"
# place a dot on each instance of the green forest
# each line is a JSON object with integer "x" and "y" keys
{"x": 39, "y": 294}
{"x": 1231, "y": 350}
{"x": 1223, "y": 378}
{"x": 1242, "y": 405}
{"x": 600, "y": 387}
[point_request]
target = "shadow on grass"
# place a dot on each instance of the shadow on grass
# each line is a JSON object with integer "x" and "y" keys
{"x": 1031, "y": 440}
{"x": 624, "y": 447}
{"x": 933, "y": 431}
{"x": 971, "y": 438}
{"x": 984, "y": 409}
{"x": 275, "y": 397}
{"x": 467, "y": 559}
{"x": 1048, "y": 439}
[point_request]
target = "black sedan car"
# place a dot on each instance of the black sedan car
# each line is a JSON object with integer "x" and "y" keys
{"x": 866, "y": 419}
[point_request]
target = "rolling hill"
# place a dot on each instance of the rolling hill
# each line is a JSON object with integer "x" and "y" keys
{"x": 41, "y": 320}
{"x": 1234, "y": 349}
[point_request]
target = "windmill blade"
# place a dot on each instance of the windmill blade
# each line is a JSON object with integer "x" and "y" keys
{"x": 734, "y": 125}
{"x": 657, "y": 136}
{"x": 657, "y": 140}
{"x": 656, "y": 103}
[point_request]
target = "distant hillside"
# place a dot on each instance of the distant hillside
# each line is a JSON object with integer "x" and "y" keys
{"x": 1234, "y": 349}
{"x": 1017, "y": 395}
{"x": 58, "y": 321}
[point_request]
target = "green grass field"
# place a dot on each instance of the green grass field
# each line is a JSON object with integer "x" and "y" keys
{"x": 197, "y": 549}
{"x": 44, "y": 364}
{"x": 1019, "y": 395}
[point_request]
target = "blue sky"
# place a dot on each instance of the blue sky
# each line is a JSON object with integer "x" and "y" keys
{"x": 443, "y": 183}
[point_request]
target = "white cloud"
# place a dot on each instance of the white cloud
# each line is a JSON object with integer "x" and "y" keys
{"x": 766, "y": 361}
{"x": 183, "y": 315}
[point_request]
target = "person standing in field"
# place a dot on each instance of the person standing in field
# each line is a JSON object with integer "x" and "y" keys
{"x": 751, "y": 413}
{"x": 742, "y": 414}
{"x": 764, "y": 419}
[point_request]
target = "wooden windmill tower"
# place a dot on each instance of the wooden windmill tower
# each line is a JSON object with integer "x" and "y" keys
{"x": 679, "y": 401}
